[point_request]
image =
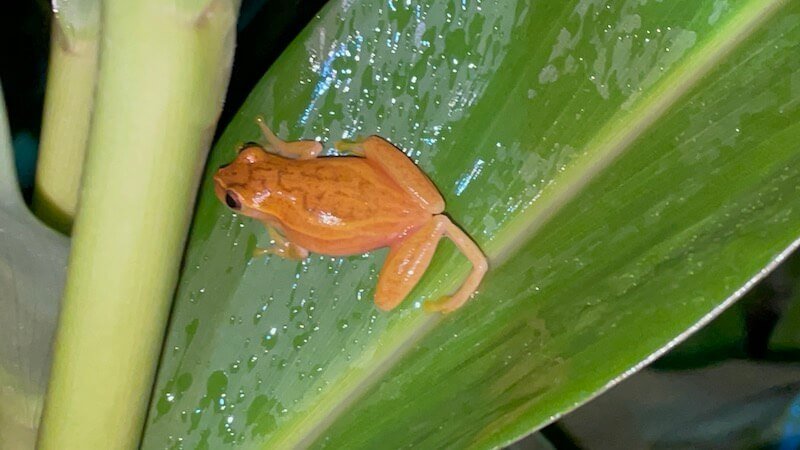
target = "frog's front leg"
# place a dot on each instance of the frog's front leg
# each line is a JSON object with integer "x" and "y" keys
{"x": 305, "y": 149}
{"x": 281, "y": 247}
{"x": 408, "y": 260}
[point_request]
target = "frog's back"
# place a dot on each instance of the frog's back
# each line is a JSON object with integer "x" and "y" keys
{"x": 342, "y": 203}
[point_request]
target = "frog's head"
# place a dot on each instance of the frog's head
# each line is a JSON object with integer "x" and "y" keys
{"x": 243, "y": 188}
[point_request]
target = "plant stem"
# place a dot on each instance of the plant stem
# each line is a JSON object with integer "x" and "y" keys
{"x": 162, "y": 76}
{"x": 65, "y": 127}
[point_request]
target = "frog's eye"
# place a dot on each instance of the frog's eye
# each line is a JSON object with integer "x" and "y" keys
{"x": 232, "y": 200}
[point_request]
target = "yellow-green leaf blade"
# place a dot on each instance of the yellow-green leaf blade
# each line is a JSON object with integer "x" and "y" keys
{"x": 628, "y": 166}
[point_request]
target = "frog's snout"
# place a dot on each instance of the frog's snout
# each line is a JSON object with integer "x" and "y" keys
{"x": 218, "y": 179}
{"x": 219, "y": 187}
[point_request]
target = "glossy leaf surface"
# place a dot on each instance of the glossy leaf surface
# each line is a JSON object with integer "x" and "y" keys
{"x": 628, "y": 167}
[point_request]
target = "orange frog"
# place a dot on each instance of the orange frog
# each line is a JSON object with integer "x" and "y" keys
{"x": 345, "y": 205}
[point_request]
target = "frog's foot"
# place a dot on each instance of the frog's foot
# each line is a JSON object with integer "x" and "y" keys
{"x": 409, "y": 259}
{"x": 305, "y": 149}
{"x": 287, "y": 251}
{"x": 353, "y": 147}
{"x": 444, "y": 305}
{"x": 281, "y": 247}
{"x": 436, "y": 306}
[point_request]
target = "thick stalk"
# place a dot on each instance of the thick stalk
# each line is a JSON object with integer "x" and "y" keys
{"x": 65, "y": 126}
{"x": 164, "y": 67}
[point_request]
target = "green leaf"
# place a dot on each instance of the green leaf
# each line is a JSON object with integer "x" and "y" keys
{"x": 629, "y": 167}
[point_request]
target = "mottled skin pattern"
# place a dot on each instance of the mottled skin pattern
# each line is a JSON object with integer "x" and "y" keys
{"x": 331, "y": 205}
{"x": 347, "y": 205}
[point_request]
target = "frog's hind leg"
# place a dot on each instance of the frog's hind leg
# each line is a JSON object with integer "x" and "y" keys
{"x": 281, "y": 247}
{"x": 399, "y": 168}
{"x": 409, "y": 259}
{"x": 305, "y": 149}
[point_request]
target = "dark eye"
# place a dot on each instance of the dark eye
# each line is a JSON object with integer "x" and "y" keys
{"x": 232, "y": 201}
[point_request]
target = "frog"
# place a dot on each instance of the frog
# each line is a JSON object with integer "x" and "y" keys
{"x": 369, "y": 196}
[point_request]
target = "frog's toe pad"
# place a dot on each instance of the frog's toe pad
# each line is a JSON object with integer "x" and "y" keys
{"x": 259, "y": 252}
{"x": 440, "y": 305}
{"x": 353, "y": 147}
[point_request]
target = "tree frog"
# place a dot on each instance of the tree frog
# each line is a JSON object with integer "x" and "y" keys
{"x": 373, "y": 197}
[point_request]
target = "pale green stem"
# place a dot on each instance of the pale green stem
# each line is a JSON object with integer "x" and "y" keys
{"x": 163, "y": 70}
{"x": 65, "y": 126}
{"x": 72, "y": 72}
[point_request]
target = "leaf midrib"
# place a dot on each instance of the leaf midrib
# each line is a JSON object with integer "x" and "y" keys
{"x": 623, "y": 129}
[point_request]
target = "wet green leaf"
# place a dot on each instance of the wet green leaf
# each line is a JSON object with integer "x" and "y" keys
{"x": 629, "y": 167}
